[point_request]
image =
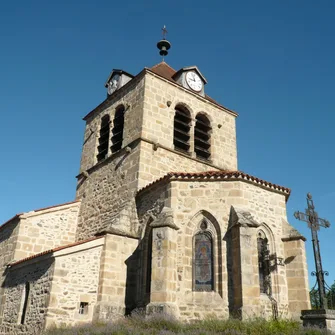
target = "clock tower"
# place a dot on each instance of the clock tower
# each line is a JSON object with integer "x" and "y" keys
{"x": 150, "y": 124}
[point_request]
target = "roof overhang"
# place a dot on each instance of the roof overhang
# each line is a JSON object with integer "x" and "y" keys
{"x": 190, "y": 68}
{"x": 219, "y": 176}
{"x": 119, "y": 72}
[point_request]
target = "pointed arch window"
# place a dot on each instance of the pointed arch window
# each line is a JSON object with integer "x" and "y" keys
{"x": 117, "y": 132}
{"x": 202, "y": 131}
{"x": 103, "y": 138}
{"x": 182, "y": 126}
{"x": 264, "y": 263}
{"x": 203, "y": 260}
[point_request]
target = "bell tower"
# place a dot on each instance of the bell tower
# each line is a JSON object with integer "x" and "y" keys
{"x": 156, "y": 122}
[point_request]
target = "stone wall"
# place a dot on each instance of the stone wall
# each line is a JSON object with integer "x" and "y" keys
{"x": 155, "y": 163}
{"x": 38, "y": 275}
{"x": 131, "y": 96}
{"x": 8, "y": 237}
{"x": 215, "y": 200}
{"x": 107, "y": 188}
{"x": 75, "y": 280}
{"x": 297, "y": 276}
{"x": 107, "y": 195}
{"x": 158, "y": 119}
{"x": 46, "y": 229}
{"x": 267, "y": 208}
{"x": 117, "y": 278}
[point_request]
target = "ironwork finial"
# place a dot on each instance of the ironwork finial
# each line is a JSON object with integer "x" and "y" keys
{"x": 164, "y": 32}
{"x": 163, "y": 45}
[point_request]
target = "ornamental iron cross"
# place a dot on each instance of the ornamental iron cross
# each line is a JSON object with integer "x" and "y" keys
{"x": 314, "y": 223}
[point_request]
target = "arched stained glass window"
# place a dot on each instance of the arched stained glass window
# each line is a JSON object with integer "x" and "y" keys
{"x": 263, "y": 263}
{"x": 203, "y": 262}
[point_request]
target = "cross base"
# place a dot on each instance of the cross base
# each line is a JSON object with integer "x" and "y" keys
{"x": 322, "y": 318}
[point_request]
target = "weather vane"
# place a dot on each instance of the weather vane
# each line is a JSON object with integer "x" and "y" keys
{"x": 163, "y": 45}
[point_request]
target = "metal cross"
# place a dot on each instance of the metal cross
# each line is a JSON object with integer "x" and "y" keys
{"x": 314, "y": 223}
{"x": 164, "y": 32}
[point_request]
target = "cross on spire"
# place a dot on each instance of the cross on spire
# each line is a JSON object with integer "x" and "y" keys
{"x": 163, "y": 45}
{"x": 314, "y": 223}
{"x": 164, "y": 32}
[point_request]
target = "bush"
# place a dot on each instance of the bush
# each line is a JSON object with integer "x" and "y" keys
{"x": 167, "y": 325}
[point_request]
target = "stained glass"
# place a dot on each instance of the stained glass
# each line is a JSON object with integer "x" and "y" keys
{"x": 203, "y": 261}
{"x": 263, "y": 265}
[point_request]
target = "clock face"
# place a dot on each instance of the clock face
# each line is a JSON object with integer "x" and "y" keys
{"x": 194, "y": 81}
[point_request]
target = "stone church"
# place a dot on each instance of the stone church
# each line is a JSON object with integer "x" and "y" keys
{"x": 163, "y": 220}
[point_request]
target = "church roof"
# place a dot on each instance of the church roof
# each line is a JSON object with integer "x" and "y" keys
{"x": 218, "y": 175}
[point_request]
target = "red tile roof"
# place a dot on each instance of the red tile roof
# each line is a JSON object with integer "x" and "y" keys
{"x": 166, "y": 71}
{"x": 218, "y": 175}
{"x": 54, "y": 250}
{"x": 163, "y": 70}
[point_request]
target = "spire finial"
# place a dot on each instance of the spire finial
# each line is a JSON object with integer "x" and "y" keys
{"x": 164, "y": 32}
{"x": 163, "y": 45}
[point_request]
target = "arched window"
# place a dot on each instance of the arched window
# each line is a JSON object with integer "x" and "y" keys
{"x": 118, "y": 125}
{"x": 264, "y": 263}
{"x": 202, "y": 137}
{"x": 203, "y": 260}
{"x": 182, "y": 125}
{"x": 24, "y": 303}
{"x": 103, "y": 138}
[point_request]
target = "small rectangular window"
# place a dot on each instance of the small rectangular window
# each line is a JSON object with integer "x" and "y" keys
{"x": 83, "y": 308}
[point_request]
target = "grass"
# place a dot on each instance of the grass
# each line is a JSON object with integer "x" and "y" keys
{"x": 166, "y": 325}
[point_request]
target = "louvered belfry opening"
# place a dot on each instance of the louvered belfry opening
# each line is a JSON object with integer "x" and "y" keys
{"x": 117, "y": 131}
{"x": 103, "y": 138}
{"x": 182, "y": 125}
{"x": 202, "y": 137}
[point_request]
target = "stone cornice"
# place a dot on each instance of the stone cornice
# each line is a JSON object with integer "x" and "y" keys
{"x": 164, "y": 219}
{"x": 293, "y": 238}
{"x": 219, "y": 176}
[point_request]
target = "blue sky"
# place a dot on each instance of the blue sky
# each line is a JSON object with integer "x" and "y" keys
{"x": 271, "y": 61}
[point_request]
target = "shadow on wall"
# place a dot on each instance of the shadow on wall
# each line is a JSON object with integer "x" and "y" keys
{"x": 138, "y": 281}
{"x": 27, "y": 292}
{"x": 27, "y": 273}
